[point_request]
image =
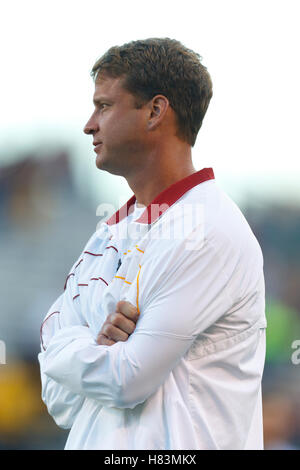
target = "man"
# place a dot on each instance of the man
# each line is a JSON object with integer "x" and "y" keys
{"x": 158, "y": 340}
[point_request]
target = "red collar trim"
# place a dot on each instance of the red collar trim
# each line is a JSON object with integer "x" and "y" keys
{"x": 164, "y": 200}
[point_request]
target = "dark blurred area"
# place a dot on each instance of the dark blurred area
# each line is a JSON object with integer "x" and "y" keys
{"x": 44, "y": 224}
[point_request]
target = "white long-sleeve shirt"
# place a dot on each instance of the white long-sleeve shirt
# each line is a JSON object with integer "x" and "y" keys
{"x": 189, "y": 377}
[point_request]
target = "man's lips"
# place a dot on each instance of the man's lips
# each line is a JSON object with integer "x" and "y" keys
{"x": 97, "y": 145}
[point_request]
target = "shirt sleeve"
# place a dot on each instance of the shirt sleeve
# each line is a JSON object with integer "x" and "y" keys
{"x": 180, "y": 294}
{"x": 62, "y": 403}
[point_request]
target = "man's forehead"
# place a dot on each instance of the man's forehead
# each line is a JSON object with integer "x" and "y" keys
{"x": 108, "y": 86}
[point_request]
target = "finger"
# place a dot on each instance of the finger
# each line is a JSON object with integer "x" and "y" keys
{"x": 104, "y": 341}
{"x": 120, "y": 321}
{"x": 114, "y": 333}
{"x": 128, "y": 309}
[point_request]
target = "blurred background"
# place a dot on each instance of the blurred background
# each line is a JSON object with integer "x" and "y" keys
{"x": 50, "y": 187}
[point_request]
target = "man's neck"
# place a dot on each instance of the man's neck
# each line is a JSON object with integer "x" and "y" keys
{"x": 149, "y": 182}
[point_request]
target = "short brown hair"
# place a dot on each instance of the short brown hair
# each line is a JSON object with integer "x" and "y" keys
{"x": 162, "y": 66}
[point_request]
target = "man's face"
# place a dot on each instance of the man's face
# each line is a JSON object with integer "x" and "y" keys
{"x": 117, "y": 127}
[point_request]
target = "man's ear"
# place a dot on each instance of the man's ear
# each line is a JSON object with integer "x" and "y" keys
{"x": 158, "y": 107}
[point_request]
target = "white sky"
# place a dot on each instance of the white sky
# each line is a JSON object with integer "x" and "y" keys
{"x": 251, "y": 48}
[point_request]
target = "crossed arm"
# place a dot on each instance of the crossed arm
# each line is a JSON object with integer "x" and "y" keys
{"x": 177, "y": 304}
{"x": 62, "y": 403}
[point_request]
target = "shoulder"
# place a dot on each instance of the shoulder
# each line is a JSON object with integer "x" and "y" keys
{"x": 203, "y": 227}
{"x": 224, "y": 224}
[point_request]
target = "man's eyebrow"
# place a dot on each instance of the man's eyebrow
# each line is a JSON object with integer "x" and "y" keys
{"x": 99, "y": 100}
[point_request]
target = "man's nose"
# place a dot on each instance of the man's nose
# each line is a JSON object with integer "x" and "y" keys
{"x": 90, "y": 127}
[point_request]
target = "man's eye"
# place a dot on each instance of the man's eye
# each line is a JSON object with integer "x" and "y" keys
{"x": 102, "y": 105}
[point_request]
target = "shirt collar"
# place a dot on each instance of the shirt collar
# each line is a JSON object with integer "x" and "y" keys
{"x": 164, "y": 200}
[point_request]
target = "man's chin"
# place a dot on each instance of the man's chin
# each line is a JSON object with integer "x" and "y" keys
{"x": 99, "y": 162}
{"x": 103, "y": 165}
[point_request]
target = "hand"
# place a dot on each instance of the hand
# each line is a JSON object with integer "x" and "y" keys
{"x": 118, "y": 325}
